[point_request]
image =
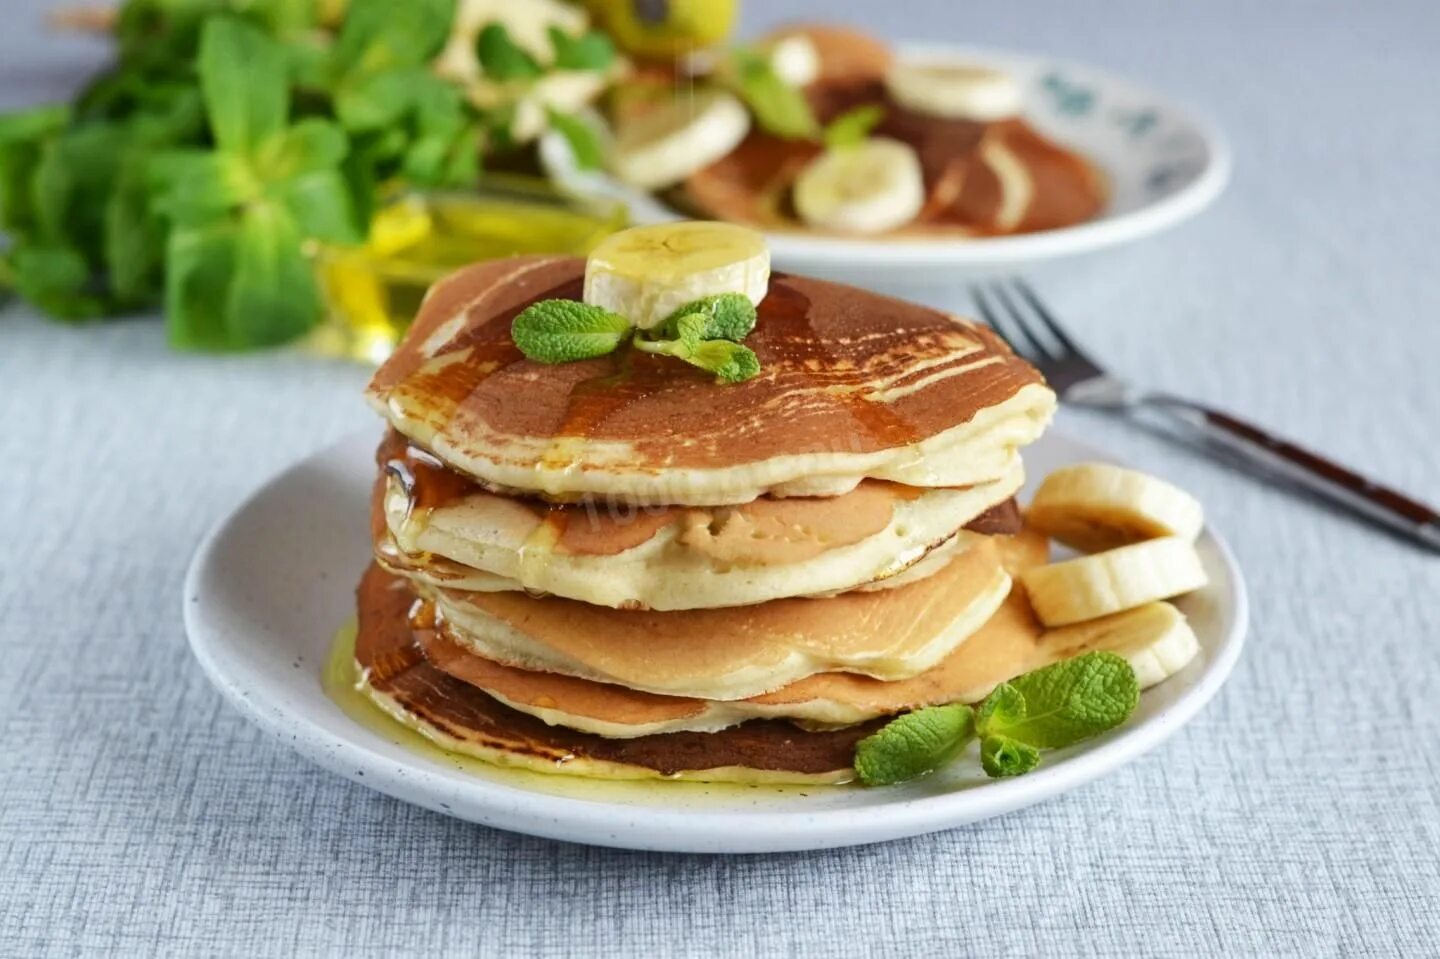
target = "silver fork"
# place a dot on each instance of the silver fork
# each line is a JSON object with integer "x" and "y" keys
{"x": 1014, "y": 311}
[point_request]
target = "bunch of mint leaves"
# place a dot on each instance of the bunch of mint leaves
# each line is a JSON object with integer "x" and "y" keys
{"x": 228, "y": 138}
{"x": 1050, "y": 708}
{"x": 705, "y": 333}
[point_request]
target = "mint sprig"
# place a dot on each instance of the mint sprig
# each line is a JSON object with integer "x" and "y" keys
{"x": 779, "y": 108}
{"x": 703, "y": 333}
{"x": 563, "y": 331}
{"x": 852, "y": 127}
{"x": 1049, "y": 708}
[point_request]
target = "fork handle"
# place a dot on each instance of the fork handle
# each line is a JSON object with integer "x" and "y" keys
{"x": 1258, "y": 450}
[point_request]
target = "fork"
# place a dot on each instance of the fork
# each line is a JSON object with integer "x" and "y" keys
{"x": 1016, "y": 313}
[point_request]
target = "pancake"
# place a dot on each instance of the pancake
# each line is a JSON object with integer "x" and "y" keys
{"x": 980, "y": 180}
{"x": 668, "y": 558}
{"x": 1007, "y": 645}
{"x": 396, "y": 676}
{"x": 736, "y": 652}
{"x": 852, "y": 386}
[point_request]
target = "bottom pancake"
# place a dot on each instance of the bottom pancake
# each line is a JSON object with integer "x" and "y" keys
{"x": 395, "y": 674}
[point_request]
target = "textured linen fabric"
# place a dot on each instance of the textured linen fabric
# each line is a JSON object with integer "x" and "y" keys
{"x": 1299, "y": 814}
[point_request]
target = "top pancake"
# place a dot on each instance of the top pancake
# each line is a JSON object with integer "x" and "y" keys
{"x": 852, "y": 385}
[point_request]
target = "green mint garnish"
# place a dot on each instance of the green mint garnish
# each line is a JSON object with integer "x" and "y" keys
{"x": 726, "y": 316}
{"x": 701, "y": 333}
{"x": 563, "y": 331}
{"x": 1002, "y": 756}
{"x": 852, "y": 127}
{"x": 501, "y": 57}
{"x": 1052, "y": 707}
{"x": 589, "y": 51}
{"x": 914, "y": 744}
{"x": 584, "y": 142}
{"x": 779, "y": 108}
{"x": 1067, "y": 702}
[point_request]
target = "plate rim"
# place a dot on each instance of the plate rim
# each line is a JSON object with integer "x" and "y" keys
{"x": 655, "y": 828}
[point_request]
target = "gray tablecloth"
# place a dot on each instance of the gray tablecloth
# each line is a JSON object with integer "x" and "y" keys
{"x": 1298, "y": 815}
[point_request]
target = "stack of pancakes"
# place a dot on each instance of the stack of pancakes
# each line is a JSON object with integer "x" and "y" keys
{"x": 620, "y": 568}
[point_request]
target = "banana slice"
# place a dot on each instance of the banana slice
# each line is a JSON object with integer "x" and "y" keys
{"x": 868, "y": 188}
{"x": 647, "y": 272}
{"x": 666, "y": 144}
{"x": 1097, "y": 506}
{"x": 960, "y": 91}
{"x": 795, "y": 60}
{"x": 1093, "y": 586}
{"x": 1155, "y": 640}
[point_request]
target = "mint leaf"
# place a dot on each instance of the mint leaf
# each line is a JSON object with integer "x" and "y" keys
{"x": 583, "y": 140}
{"x": 729, "y": 361}
{"x": 727, "y": 316}
{"x": 382, "y": 34}
{"x": 778, "y": 107}
{"x": 311, "y": 144}
{"x": 589, "y": 51}
{"x": 1069, "y": 701}
{"x": 563, "y": 331}
{"x": 852, "y": 127}
{"x": 243, "y": 80}
{"x": 501, "y": 58}
{"x": 273, "y": 297}
{"x": 913, "y": 745}
{"x": 1002, "y": 708}
{"x": 55, "y": 278}
{"x": 1002, "y": 756}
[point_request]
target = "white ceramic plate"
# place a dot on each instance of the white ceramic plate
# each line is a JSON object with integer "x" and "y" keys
{"x": 271, "y": 584}
{"x": 1164, "y": 164}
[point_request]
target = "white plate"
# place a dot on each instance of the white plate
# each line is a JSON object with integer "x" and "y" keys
{"x": 1164, "y": 164}
{"x": 271, "y": 584}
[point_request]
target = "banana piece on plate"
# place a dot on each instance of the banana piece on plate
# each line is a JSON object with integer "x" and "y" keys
{"x": 1096, "y": 506}
{"x": 672, "y": 140}
{"x": 1155, "y": 639}
{"x": 648, "y": 272}
{"x": 871, "y": 187}
{"x": 1089, "y": 587}
{"x": 955, "y": 90}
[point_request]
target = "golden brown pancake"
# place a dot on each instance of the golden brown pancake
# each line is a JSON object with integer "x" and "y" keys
{"x": 395, "y": 674}
{"x": 958, "y": 159}
{"x": 1008, "y": 644}
{"x": 450, "y": 532}
{"x": 736, "y": 652}
{"x": 853, "y": 385}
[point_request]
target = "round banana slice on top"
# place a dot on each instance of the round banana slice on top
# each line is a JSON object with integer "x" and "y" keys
{"x": 960, "y": 91}
{"x": 1089, "y": 587}
{"x": 1097, "y": 506}
{"x": 870, "y": 187}
{"x": 667, "y": 143}
{"x": 648, "y": 272}
{"x": 795, "y": 59}
{"x": 1155, "y": 639}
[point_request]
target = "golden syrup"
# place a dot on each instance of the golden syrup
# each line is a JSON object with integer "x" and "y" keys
{"x": 341, "y": 683}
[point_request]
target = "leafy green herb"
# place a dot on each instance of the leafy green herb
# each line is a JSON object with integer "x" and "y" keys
{"x": 589, "y": 51}
{"x": 730, "y": 362}
{"x": 1066, "y": 702}
{"x": 501, "y": 57}
{"x": 1052, "y": 707}
{"x": 725, "y": 316}
{"x": 851, "y": 128}
{"x": 914, "y": 744}
{"x": 1001, "y": 756}
{"x": 584, "y": 141}
{"x": 779, "y": 108}
{"x": 563, "y": 331}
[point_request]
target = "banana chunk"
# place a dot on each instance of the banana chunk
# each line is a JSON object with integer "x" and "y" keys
{"x": 1089, "y": 587}
{"x": 871, "y": 187}
{"x": 1155, "y": 639}
{"x": 673, "y": 139}
{"x": 1096, "y": 506}
{"x": 647, "y": 272}
{"x": 955, "y": 90}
